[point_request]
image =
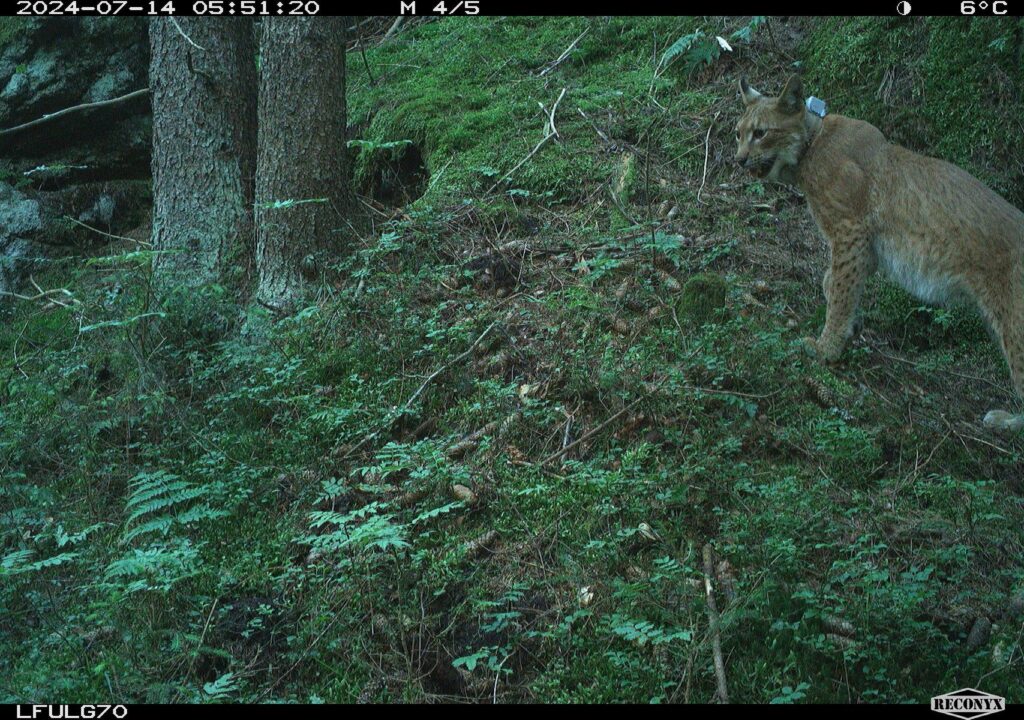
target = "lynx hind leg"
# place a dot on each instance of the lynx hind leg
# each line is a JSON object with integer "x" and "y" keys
{"x": 1008, "y": 323}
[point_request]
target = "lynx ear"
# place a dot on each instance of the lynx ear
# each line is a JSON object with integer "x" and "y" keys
{"x": 792, "y": 98}
{"x": 750, "y": 95}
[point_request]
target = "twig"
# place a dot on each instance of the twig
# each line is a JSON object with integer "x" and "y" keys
{"x": 362, "y": 22}
{"x": 202, "y": 637}
{"x": 590, "y": 433}
{"x": 548, "y": 136}
{"x": 622, "y": 209}
{"x": 707, "y": 147}
{"x": 43, "y": 294}
{"x": 362, "y": 52}
{"x": 191, "y": 42}
{"x": 104, "y": 234}
{"x": 460, "y": 358}
{"x": 598, "y": 130}
{"x": 554, "y": 107}
{"x": 713, "y": 621}
{"x": 76, "y": 108}
{"x": 394, "y": 28}
{"x": 564, "y": 55}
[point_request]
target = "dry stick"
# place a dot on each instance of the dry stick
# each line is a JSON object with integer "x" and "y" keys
{"x": 191, "y": 42}
{"x": 551, "y": 120}
{"x": 713, "y": 621}
{"x": 394, "y": 28}
{"x": 590, "y": 433}
{"x": 564, "y": 55}
{"x": 42, "y": 294}
{"x": 76, "y": 108}
{"x": 600, "y": 134}
{"x": 707, "y": 147}
{"x": 554, "y": 108}
{"x": 105, "y": 234}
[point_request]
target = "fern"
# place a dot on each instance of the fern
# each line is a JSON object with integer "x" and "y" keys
{"x": 746, "y": 33}
{"x": 681, "y": 46}
{"x": 699, "y": 49}
{"x": 361, "y": 528}
{"x": 18, "y": 562}
{"x": 160, "y": 500}
{"x": 222, "y": 687}
{"x": 644, "y": 632}
{"x": 160, "y": 505}
{"x": 158, "y": 567}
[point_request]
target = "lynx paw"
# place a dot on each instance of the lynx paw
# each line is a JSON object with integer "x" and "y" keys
{"x": 825, "y": 352}
{"x": 1002, "y": 421}
{"x": 810, "y": 346}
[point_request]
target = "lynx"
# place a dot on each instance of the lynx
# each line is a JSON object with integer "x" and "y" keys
{"x": 929, "y": 225}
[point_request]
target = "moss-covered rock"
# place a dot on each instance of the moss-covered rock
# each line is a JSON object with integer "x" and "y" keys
{"x": 703, "y": 296}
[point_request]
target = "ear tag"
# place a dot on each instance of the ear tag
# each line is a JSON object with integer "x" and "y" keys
{"x": 817, "y": 106}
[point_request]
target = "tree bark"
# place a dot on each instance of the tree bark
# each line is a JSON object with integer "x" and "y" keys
{"x": 302, "y": 188}
{"x": 204, "y": 145}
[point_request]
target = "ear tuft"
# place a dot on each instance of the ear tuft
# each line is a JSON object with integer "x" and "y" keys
{"x": 792, "y": 98}
{"x": 749, "y": 94}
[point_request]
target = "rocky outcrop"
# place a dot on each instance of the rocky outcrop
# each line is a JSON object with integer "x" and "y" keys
{"x": 20, "y": 221}
{"x": 50, "y": 64}
{"x": 86, "y": 168}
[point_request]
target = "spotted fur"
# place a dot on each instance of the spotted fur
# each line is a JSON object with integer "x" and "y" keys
{"x": 927, "y": 224}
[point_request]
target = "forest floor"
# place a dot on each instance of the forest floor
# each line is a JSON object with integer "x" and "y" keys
{"x": 556, "y": 385}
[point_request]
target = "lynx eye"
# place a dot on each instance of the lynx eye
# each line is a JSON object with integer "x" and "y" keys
{"x": 758, "y": 134}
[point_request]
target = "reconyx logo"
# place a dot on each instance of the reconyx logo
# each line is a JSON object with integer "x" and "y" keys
{"x": 968, "y": 704}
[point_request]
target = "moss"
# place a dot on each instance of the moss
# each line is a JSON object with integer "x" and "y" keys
{"x": 703, "y": 296}
{"x": 909, "y": 321}
{"x": 9, "y": 27}
{"x": 947, "y": 87}
{"x": 477, "y": 115}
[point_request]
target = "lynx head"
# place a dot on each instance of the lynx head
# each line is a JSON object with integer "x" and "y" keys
{"x": 772, "y": 132}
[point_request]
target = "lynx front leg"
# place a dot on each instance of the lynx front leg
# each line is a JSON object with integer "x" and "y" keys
{"x": 852, "y": 263}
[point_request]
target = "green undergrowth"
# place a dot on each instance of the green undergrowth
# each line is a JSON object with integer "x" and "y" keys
{"x": 467, "y": 93}
{"x": 486, "y": 461}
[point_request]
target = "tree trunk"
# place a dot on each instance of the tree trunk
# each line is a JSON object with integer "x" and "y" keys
{"x": 204, "y": 145}
{"x": 302, "y": 192}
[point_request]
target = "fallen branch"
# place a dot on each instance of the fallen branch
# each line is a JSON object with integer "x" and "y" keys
{"x": 713, "y": 622}
{"x": 106, "y": 234}
{"x": 590, "y": 433}
{"x": 564, "y": 55}
{"x": 548, "y": 136}
{"x": 191, "y": 42}
{"x": 554, "y": 107}
{"x": 76, "y": 108}
{"x": 44, "y": 294}
{"x": 707, "y": 147}
{"x": 394, "y": 28}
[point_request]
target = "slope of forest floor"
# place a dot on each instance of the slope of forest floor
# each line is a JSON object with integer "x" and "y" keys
{"x": 562, "y": 364}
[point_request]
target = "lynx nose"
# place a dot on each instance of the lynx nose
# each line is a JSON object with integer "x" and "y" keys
{"x": 742, "y": 160}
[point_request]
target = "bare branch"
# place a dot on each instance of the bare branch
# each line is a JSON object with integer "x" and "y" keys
{"x": 76, "y": 108}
